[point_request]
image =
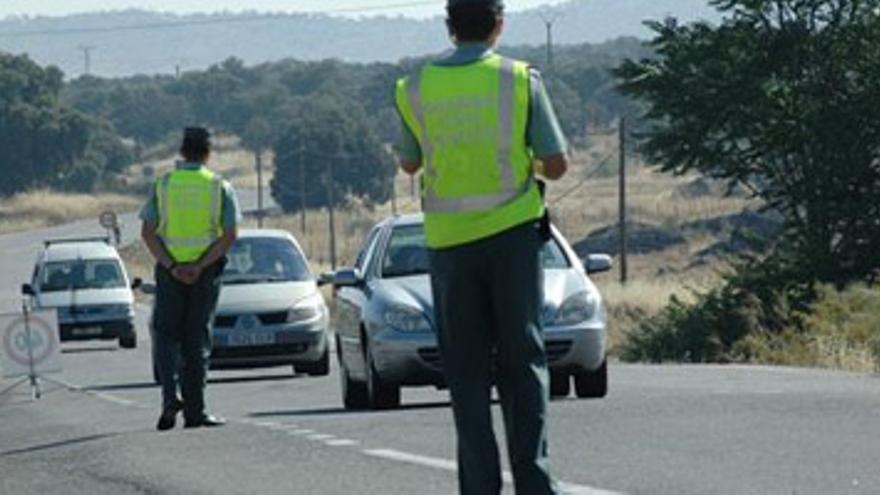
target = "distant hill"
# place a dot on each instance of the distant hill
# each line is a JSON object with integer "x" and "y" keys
{"x": 147, "y": 45}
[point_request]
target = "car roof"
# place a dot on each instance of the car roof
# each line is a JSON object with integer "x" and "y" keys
{"x": 68, "y": 251}
{"x": 270, "y": 233}
{"x": 407, "y": 220}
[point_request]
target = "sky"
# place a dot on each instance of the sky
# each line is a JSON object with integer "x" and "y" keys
{"x": 64, "y": 7}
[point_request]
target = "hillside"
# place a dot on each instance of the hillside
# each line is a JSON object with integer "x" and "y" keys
{"x": 134, "y": 41}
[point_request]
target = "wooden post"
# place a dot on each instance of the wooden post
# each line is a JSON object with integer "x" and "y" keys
{"x": 302, "y": 191}
{"x": 259, "y": 156}
{"x": 330, "y": 207}
{"x": 622, "y": 206}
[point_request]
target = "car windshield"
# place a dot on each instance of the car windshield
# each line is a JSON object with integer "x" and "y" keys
{"x": 255, "y": 260}
{"x": 81, "y": 274}
{"x": 406, "y": 254}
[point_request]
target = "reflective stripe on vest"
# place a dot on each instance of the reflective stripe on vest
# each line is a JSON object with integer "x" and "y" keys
{"x": 190, "y": 207}
{"x": 510, "y": 191}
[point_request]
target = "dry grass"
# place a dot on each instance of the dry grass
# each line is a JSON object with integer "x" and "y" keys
{"x": 45, "y": 208}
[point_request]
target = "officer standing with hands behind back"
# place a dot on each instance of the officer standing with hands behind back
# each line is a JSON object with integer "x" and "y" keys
{"x": 189, "y": 224}
{"x": 480, "y": 127}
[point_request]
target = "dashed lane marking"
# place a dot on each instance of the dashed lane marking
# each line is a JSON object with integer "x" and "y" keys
{"x": 321, "y": 437}
{"x": 447, "y": 465}
{"x": 341, "y": 442}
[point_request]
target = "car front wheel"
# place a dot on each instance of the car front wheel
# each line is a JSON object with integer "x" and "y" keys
{"x": 381, "y": 395}
{"x": 321, "y": 367}
{"x": 592, "y": 384}
{"x": 560, "y": 384}
{"x": 128, "y": 341}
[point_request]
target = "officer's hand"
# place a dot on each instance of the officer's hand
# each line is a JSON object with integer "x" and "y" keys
{"x": 186, "y": 274}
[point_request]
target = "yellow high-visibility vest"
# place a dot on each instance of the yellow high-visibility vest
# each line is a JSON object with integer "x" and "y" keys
{"x": 190, "y": 206}
{"x": 471, "y": 124}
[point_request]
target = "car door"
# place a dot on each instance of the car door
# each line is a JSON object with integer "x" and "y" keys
{"x": 350, "y": 303}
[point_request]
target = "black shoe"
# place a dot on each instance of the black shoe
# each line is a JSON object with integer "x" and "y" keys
{"x": 208, "y": 421}
{"x": 169, "y": 416}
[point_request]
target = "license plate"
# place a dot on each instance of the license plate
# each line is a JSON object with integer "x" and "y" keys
{"x": 87, "y": 331}
{"x": 250, "y": 339}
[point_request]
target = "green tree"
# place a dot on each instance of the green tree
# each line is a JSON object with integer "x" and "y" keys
{"x": 41, "y": 140}
{"x": 783, "y": 97}
{"x": 329, "y": 136}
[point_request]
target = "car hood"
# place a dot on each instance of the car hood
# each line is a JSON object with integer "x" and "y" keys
{"x": 85, "y": 297}
{"x": 263, "y": 297}
{"x": 415, "y": 291}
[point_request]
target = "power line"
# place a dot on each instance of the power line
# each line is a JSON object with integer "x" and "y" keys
{"x": 223, "y": 20}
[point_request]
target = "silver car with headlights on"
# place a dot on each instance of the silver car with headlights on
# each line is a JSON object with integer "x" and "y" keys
{"x": 386, "y": 336}
{"x": 270, "y": 311}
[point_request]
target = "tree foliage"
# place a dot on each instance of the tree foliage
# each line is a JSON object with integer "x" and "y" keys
{"x": 328, "y": 143}
{"x": 782, "y": 97}
{"x": 44, "y": 143}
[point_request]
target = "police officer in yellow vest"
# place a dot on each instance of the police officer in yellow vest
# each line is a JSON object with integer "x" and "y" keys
{"x": 189, "y": 224}
{"x": 480, "y": 127}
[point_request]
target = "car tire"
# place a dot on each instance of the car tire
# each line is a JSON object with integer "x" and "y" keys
{"x": 354, "y": 393}
{"x": 380, "y": 395}
{"x": 128, "y": 342}
{"x": 592, "y": 384}
{"x": 560, "y": 384}
{"x": 321, "y": 367}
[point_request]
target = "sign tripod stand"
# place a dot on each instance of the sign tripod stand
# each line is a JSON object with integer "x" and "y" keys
{"x": 33, "y": 376}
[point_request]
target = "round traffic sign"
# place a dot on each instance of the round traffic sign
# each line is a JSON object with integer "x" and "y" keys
{"x": 108, "y": 219}
{"x": 24, "y": 348}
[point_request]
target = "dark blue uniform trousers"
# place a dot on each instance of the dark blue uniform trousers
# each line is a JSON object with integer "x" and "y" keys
{"x": 182, "y": 318}
{"x": 488, "y": 296}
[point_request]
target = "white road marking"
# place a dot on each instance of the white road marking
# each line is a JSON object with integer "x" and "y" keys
{"x": 100, "y": 395}
{"x": 341, "y": 442}
{"x": 267, "y": 424}
{"x": 301, "y": 432}
{"x": 447, "y": 465}
{"x": 321, "y": 437}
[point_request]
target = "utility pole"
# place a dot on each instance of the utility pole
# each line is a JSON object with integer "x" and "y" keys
{"x": 330, "y": 206}
{"x": 259, "y": 157}
{"x": 622, "y": 206}
{"x": 548, "y": 20}
{"x": 87, "y": 58}
{"x": 302, "y": 190}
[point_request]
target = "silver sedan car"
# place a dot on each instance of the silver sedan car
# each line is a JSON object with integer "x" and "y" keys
{"x": 386, "y": 332}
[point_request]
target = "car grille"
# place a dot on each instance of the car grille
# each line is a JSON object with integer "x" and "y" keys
{"x": 557, "y": 349}
{"x": 431, "y": 355}
{"x": 276, "y": 318}
{"x": 259, "y": 351}
{"x": 227, "y": 321}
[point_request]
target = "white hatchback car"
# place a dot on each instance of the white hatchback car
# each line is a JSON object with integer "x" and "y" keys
{"x": 270, "y": 311}
{"x": 85, "y": 281}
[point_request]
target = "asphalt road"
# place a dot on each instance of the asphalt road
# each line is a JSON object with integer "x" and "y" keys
{"x": 673, "y": 430}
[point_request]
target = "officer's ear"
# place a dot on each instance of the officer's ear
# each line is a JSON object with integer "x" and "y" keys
{"x": 499, "y": 28}
{"x": 451, "y": 30}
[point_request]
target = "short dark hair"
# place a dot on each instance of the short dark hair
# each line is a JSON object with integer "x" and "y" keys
{"x": 196, "y": 144}
{"x": 473, "y": 21}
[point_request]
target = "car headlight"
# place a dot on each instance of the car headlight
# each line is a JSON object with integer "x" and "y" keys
{"x": 406, "y": 319}
{"x": 311, "y": 308}
{"x": 578, "y": 308}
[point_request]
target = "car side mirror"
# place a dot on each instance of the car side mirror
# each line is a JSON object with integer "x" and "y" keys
{"x": 597, "y": 263}
{"x": 348, "y": 277}
{"x": 137, "y": 283}
{"x": 147, "y": 288}
{"x": 326, "y": 278}
{"x": 28, "y": 290}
